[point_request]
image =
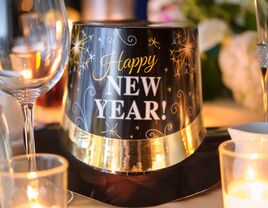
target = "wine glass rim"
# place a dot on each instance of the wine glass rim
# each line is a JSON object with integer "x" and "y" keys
{"x": 38, "y": 173}
{"x": 244, "y": 155}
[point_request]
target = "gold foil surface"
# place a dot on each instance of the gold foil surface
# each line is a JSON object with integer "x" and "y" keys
{"x": 135, "y": 156}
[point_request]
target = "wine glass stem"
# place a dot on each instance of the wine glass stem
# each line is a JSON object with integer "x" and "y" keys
{"x": 28, "y": 114}
{"x": 265, "y": 93}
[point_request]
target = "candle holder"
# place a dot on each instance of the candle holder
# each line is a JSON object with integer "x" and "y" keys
{"x": 244, "y": 173}
{"x": 45, "y": 187}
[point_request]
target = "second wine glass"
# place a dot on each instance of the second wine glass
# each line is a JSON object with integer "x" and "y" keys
{"x": 261, "y": 8}
{"x": 34, "y": 49}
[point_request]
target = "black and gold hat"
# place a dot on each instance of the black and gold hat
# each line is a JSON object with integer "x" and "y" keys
{"x": 133, "y": 110}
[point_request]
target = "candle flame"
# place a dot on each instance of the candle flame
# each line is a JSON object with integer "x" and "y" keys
{"x": 251, "y": 174}
{"x": 32, "y": 193}
{"x": 32, "y": 190}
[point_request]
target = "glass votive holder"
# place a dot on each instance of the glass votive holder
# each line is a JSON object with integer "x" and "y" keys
{"x": 244, "y": 173}
{"x": 45, "y": 187}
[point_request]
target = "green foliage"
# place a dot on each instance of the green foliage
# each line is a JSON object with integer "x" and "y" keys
{"x": 198, "y": 10}
{"x": 211, "y": 75}
{"x": 250, "y": 21}
{"x": 238, "y": 17}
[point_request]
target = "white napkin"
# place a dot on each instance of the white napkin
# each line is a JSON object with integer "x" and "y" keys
{"x": 249, "y": 131}
{"x": 250, "y": 137}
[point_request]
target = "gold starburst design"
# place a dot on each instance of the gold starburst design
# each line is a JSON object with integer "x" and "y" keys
{"x": 169, "y": 89}
{"x": 177, "y": 39}
{"x": 78, "y": 74}
{"x": 78, "y": 47}
{"x": 85, "y": 64}
{"x": 172, "y": 52}
{"x": 153, "y": 42}
{"x": 112, "y": 133}
{"x": 192, "y": 75}
{"x": 183, "y": 56}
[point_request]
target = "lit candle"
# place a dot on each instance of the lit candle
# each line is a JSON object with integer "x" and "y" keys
{"x": 33, "y": 197}
{"x": 247, "y": 194}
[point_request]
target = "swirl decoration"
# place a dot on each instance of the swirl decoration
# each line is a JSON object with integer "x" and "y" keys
{"x": 177, "y": 106}
{"x": 77, "y": 110}
{"x": 111, "y": 39}
{"x": 131, "y": 39}
{"x": 190, "y": 111}
{"x": 80, "y": 112}
{"x": 154, "y": 133}
{"x": 183, "y": 108}
{"x": 91, "y": 90}
{"x": 168, "y": 128}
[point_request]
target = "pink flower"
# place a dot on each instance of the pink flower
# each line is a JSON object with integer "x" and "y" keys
{"x": 165, "y": 10}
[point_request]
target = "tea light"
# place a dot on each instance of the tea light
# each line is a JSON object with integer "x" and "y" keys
{"x": 246, "y": 194}
{"x": 41, "y": 188}
{"x": 244, "y": 173}
{"x": 33, "y": 198}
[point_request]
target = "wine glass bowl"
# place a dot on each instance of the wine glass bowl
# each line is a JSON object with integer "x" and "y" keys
{"x": 34, "y": 49}
{"x": 35, "y": 56}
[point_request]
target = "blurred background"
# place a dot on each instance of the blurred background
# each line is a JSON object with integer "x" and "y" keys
{"x": 108, "y": 9}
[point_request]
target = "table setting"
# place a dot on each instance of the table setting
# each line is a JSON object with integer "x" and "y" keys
{"x": 132, "y": 130}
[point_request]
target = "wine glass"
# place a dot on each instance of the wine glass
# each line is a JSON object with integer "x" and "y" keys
{"x": 261, "y": 10}
{"x": 34, "y": 49}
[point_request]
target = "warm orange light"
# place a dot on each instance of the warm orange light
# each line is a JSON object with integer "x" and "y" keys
{"x": 27, "y": 74}
{"x": 55, "y": 65}
{"x": 188, "y": 49}
{"x": 27, "y": 5}
{"x": 58, "y": 30}
{"x": 38, "y": 60}
{"x": 70, "y": 24}
{"x": 160, "y": 158}
{"x": 32, "y": 193}
{"x": 251, "y": 174}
